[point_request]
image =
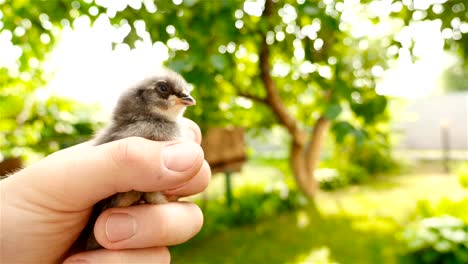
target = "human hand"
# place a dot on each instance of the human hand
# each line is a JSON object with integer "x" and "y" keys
{"x": 44, "y": 207}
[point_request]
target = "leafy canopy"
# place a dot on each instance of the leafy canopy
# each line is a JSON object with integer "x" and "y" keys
{"x": 326, "y": 56}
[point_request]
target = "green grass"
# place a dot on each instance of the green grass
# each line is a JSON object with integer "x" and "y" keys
{"x": 354, "y": 225}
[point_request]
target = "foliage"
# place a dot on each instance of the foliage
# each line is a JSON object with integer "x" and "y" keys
{"x": 30, "y": 123}
{"x": 462, "y": 173}
{"x": 357, "y": 155}
{"x": 439, "y": 234}
{"x": 445, "y": 206}
{"x": 322, "y": 64}
{"x": 357, "y": 224}
{"x": 455, "y": 78}
{"x": 330, "y": 179}
{"x": 374, "y": 157}
{"x": 441, "y": 239}
{"x": 362, "y": 149}
{"x": 324, "y": 69}
{"x": 251, "y": 204}
{"x": 355, "y": 173}
{"x": 42, "y": 126}
{"x": 329, "y": 64}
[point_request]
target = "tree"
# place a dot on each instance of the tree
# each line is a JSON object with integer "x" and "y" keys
{"x": 306, "y": 65}
{"x": 244, "y": 46}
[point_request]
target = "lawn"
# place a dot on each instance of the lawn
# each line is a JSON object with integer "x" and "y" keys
{"x": 353, "y": 225}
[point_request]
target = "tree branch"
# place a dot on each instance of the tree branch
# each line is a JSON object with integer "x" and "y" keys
{"x": 253, "y": 97}
{"x": 273, "y": 98}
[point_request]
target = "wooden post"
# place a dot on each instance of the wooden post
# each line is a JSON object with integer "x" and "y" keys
{"x": 228, "y": 188}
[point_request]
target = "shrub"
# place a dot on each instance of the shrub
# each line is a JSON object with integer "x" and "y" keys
{"x": 354, "y": 174}
{"x": 330, "y": 179}
{"x": 462, "y": 174}
{"x": 441, "y": 239}
{"x": 374, "y": 157}
{"x": 445, "y": 206}
{"x": 368, "y": 147}
{"x": 251, "y": 204}
{"x": 440, "y": 235}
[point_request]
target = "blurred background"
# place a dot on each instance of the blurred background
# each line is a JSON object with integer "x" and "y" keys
{"x": 337, "y": 130}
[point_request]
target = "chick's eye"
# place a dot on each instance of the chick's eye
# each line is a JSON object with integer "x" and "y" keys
{"x": 162, "y": 87}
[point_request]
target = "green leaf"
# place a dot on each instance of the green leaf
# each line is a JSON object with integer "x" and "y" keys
{"x": 332, "y": 111}
{"x": 219, "y": 62}
{"x": 371, "y": 109}
{"x": 341, "y": 130}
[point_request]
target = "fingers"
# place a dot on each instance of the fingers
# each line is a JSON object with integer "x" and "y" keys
{"x": 83, "y": 175}
{"x": 148, "y": 225}
{"x": 146, "y": 255}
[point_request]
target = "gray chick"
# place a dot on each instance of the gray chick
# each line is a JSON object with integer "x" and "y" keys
{"x": 150, "y": 110}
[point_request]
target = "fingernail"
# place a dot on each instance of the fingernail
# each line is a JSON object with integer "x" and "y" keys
{"x": 120, "y": 227}
{"x": 181, "y": 156}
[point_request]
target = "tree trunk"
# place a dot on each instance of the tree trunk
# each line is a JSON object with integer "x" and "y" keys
{"x": 305, "y": 153}
{"x": 304, "y": 158}
{"x": 314, "y": 146}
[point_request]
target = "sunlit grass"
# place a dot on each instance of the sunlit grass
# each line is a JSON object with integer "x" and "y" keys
{"x": 353, "y": 225}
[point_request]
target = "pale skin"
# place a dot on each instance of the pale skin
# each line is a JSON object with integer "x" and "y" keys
{"x": 44, "y": 207}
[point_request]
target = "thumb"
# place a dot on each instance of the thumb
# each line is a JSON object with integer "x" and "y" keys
{"x": 78, "y": 177}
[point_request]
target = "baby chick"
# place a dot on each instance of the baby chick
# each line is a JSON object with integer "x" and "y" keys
{"x": 151, "y": 110}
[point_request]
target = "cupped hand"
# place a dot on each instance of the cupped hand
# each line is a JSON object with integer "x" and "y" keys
{"x": 43, "y": 208}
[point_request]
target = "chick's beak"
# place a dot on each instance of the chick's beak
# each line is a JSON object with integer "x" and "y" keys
{"x": 187, "y": 100}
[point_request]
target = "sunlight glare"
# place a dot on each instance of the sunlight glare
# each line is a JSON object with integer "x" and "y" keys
{"x": 9, "y": 53}
{"x": 254, "y": 8}
{"x": 416, "y": 79}
{"x": 89, "y": 70}
{"x": 243, "y": 102}
{"x": 325, "y": 71}
{"x": 288, "y": 13}
{"x": 281, "y": 69}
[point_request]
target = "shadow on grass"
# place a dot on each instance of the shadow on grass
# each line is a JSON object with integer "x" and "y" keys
{"x": 291, "y": 237}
